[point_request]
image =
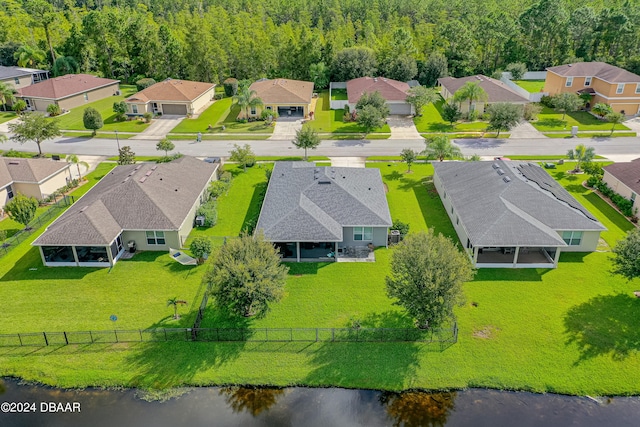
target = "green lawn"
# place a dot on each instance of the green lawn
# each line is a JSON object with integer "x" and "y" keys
{"x": 330, "y": 121}
{"x": 590, "y": 135}
{"x": 431, "y": 121}
{"x": 339, "y": 95}
{"x": 221, "y": 113}
{"x": 5, "y": 116}
{"x": 568, "y": 330}
{"x": 73, "y": 119}
{"x": 550, "y": 120}
{"x": 531, "y": 86}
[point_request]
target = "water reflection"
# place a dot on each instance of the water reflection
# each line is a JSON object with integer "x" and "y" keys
{"x": 250, "y": 399}
{"x": 418, "y": 409}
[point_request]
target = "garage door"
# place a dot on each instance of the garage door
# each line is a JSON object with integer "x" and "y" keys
{"x": 403, "y": 108}
{"x": 174, "y": 109}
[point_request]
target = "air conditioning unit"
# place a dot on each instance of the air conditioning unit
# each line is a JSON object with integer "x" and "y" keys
{"x": 118, "y": 93}
{"x": 200, "y": 221}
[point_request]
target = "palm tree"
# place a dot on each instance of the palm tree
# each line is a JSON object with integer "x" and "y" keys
{"x": 28, "y": 56}
{"x": 472, "y": 92}
{"x": 174, "y": 302}
{"x": 6, "y": 94}
{"x": 246, "y": 98}
{"x": 73, "y": 159}
{"x": 601, "y": 109}
{"x": 581, "y": 154}
{"x": 441, "y": 147}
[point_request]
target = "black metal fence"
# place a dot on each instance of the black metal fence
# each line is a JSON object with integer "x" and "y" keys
{"x": 42, "y": 339}
{"x": 34, "y": 225}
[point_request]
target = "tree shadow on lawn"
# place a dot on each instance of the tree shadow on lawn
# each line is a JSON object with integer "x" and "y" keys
{"x": 251, "y": 217}
{"x": 510, "y": 274}
{"x": 304, "y": 268}
{"x": 604, "y": 325}
{"x": 431, "y": 207}
{"x": 610, "y": 213}
{"x": 393, "y": 176}
{"x": 552, "y": 123}
{"x": 440, "y": 127}
{"x": 387, "y": 319}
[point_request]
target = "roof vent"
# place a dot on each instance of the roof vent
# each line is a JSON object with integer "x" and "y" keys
{"x": 137, "y": 167}
{"x": 500, "y": 172}
{"x": 126, "y": 179}
{"x": 324, "y": 181}
{"x": 506, "y": 179}
{"x": 495, "y": 166}
{"x": 154, "y": 168}
{"x": 375, "y": 79}
{"x": 14, "y": 162}
{"x": 570, "y": 65}
{"x": 148, "y": 173}
{"x": 84, "y": 208}
{"x": 143, "y": 179}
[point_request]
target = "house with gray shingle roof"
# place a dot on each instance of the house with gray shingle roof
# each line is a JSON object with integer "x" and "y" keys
{"x": 37, "y": 178}
{"x": 511, "y": 214}
{"x": 152, "y": 206}
{"x": 19, "y": 77}
{"x": 624, "y": 179}
{"x": 312, "y": 212}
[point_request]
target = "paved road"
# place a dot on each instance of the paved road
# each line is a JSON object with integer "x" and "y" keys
{"x": 347, "y": 148}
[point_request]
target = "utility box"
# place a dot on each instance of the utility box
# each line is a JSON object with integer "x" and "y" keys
{"x": 574, "y": 131}
{"x": 200, "y": 220}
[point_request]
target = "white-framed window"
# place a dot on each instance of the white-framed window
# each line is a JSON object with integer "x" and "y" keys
{"x": 572, "y": 238}
{"x": 587, "y": 81}
{"x": 633, "y": 196}
{"x": 9, "y": 192}
{"x": 637, "y": 87}
{"x": 620, "y": 88}
{"x": 16, "y": 80}
{"x": 363, "y": 233}
{"x": 86, "y": 96}
{"x": 569, "y": 82}
{"x": 134, "y": 109}
{"x": 253, "y": 111}
{"x": 155, "y": 238}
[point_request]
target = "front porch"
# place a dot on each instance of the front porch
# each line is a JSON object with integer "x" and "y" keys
{"x": 515, "y": 257}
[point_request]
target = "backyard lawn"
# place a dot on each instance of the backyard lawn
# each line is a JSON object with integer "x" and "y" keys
{"x": 221, "y": 113}
{"x": 339, "y": 95}
{"x": 327, "y": 120}
{"x": 73, "y": 119}
{"x": 568, "y": 330}
{"x": 431, "y": 121}
{"x": 550, "y": 120}
{"x": 531, "y": 86}
{"x": 5, "y": 116}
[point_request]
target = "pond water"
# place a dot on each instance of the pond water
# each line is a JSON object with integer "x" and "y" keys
{"x": 247, "y": 407}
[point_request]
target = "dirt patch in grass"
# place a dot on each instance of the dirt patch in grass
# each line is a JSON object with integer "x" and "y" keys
{"x": 486, "y": 333}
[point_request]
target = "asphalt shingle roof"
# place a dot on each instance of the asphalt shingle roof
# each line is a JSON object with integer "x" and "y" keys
{"x": 132, "y": 197}
{"x": 11, "y": 72}
{"x": 172, "y": 90}
{"x": 496, "y": 90}
{"x": 313, "y": 204}
{"x": 28, "y": 170}
{"x": 515, "y": 213}
{"x": 65, "y": 86}
{"x": 602, "y": 70}
{"x": 283, "y": 91}
{"x": 627, "y": 173}
{"x": 391, "y": 90}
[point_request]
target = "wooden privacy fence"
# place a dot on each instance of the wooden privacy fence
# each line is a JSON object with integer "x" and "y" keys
{"x": 41, "y": 339}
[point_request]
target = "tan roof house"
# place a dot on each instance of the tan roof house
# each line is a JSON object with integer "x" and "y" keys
{"x": 393, "y": 91}
{"x": 171, "y": 97}
{"x": 149, "y": 206}
{"x": 290, "y": 98}
{"x": 18, "y": 77}
{"x": 606, "y": 83}
{"x": 624, "y": 179}
{"x": 32, "y": 177}
{"x": 70, "y": 91}
{"x": 496, "y": 90}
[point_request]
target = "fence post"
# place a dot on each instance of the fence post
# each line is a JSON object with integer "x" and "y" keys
{"x": 140, "y": 334}
{"x": 266, "y": 334}
{"x": 165, "y": 334}
{"x": 46, "y": 341}
{"x": 66, "y": 340}
{"x": 116, "y": 334}
{"x": 290, "y": 334}
{"x": 91, "y": 336}
{"x": 316, "y": 334}
{"x": 333, "y": 334}
{"x": 20, "y": 338}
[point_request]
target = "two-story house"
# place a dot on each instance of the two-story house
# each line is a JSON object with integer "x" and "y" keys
{"x": 605, "y": 83}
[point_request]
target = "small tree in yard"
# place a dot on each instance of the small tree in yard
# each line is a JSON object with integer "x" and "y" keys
{"x": 246, "y": 276}
{"x": 19, "y": 106}
{"x": 126, "y": 156}
{"x": 22, "y": 209}
{"x": 92, "y": 119}
{"x": 441, "y": 147}
{"x": 73, "y": 159}
{"x": 616, "y": 119}
{"x": 200, "y": 248}
{"x": 451, "y": 112}
{"x": 165, "y": 145}
{"x": 243, "y": 155}
{"x": 601, "y": 109}
{"x": 54, "y": 110}
{"x": 175, "y": 302}
{"x": 120, "y": 108}
{"x": 375, "y": 100}
{"x": 370, "y": 118}
{"x": 420, "y": 96}
{"x": 34, "y": 127}
{"x": 504, "y": 116}
{"x": 626, "y": 256}
{"x": 531, "y": 111}
{"x": 306, "y": 138}
{"x": 517, "y": 70}
{"x": 581, "y": 154}
{"x": 409, "y": 157}
{"x": 567, "y": 102}
{"x": 427, "y": 274}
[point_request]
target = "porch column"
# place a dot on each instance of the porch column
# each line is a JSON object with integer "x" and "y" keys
{"x": 557, "y": 257}
{"x": 475, "y": 255}
{"x": 110, "y": 255}
{"x": 515, "y": 256}
{"x": 298, "y": 251}
{"x": 44, "y": 261}
{"x": 335, "y": 252}
{"x": 75, "y": 255}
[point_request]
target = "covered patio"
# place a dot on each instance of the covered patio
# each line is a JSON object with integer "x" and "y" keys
{"x": 82, "y": 256}
{"x": 516, "y": 257}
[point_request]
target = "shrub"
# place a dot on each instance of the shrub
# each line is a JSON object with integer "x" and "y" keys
{"x": 547, "y": 101}
{"x": 120, "y": 108}
{"x": 54, "y": 110}
{"x": 19, "y": 106}
{"x": 200, "y": 248}
{"x": 3, "y": 235}
{"x": 218, "y": 188}
{"x": 402, "y": 227}
{"x": 230, "y": 86}
{"x": 472, "y": 115}
{"x": 147, "y": 117}
{"x": 145, "y": 83}
{"x": 592, "y": 181}
{"x": 531, "y": 111}
{"x": 226, "y": 176}
{"x": 209, "y": 212}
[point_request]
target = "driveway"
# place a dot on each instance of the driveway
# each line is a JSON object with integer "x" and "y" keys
{"x": 633, "y": 124}
{"x": 523, "y": 130}
{"x": 4, "y": 127}
{"x": 348, "y": 162}
{"x": 286, "y": 128}
{"x": 402, "y": 127}
{"x": 159, "y": 128}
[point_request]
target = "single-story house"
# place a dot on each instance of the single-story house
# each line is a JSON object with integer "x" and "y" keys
{"x": 32, "y": 177}
{"x": 171, "y": 97}
{"x": 511, "y": 214}
{"x": 624, "y": 179}
{"x": 290, "y": 98}
{"x": 312, "y": 212}
{"x": 496, "y": 90}
{"x": 606, "y": 83}
{"x": 70, "y": 91}
{"x": 149, "y": 206}
{"x": 18, "y": 77}
{"x": 393, "y": 91}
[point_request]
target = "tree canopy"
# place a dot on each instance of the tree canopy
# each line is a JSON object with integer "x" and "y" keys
{"x": 22, "y": 209}
{"x": 243, "y": 155}
{"x": 442, "y": 148}
{"x": 34, "y": 127}
{"x": 306, "y": 138}
{"x": 626, "y": 256}
{"x": 504, "y": 116}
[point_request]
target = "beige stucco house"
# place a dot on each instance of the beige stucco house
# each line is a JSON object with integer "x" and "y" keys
{"x": 394, "y": 93}
{"x": 152, "y": 206}
{"x": 290, "y": 98}
{"x": 171, "y": 97}
{"x": 607, "y": 84}
{"x": 70, "y": 91}
{"x": 496, "y": 90}
{"x": 19, "y": 77}
{"x": 624, "y": 179}
{"x": 32, "y": 177}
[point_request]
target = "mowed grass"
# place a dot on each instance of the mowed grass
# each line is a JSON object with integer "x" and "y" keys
{"x": 327, "y": 120}
{"x": 531, "y": 86}
{"x": 568, "y": 330}
{"x": 73, "y": 119}
{"x": 5, "y": 116}
{"x": 550, "y": 120}
{"x": 431, "y": 121}
{"x": 223, "y": 112}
